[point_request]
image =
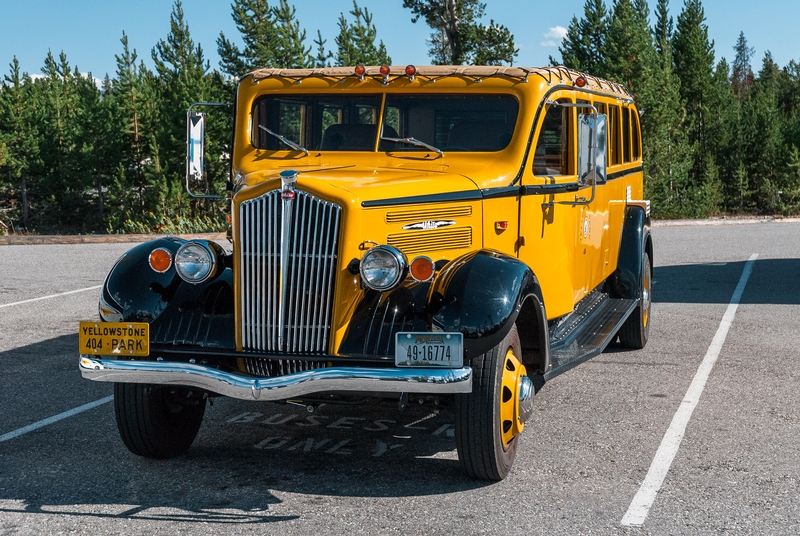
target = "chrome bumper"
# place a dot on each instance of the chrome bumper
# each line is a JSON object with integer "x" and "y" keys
{"x": 339, "y": 379}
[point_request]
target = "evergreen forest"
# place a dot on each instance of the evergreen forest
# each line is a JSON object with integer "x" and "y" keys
{"x": 78, "y": 156}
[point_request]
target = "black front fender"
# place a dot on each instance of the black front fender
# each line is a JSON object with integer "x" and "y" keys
{"x": 178, "y": 312}
{"x": 479, "y": 295}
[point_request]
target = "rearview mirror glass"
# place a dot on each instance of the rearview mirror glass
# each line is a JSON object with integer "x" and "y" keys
{"x": 592, "y": 144}
{"x": 195, "y": 145}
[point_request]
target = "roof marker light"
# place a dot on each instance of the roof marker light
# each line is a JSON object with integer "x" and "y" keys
{"x": 360, "y": 71}
{"x": 411, "y": 72}
{"x": 580, "y": 81}
{"x": 385, "y": 70}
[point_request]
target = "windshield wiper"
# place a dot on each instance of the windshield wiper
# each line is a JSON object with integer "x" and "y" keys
{"x": 414, "y": 141}
{"x": 290, "y": 143}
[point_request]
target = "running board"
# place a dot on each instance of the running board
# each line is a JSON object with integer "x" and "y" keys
{"x": 587, "y": 331}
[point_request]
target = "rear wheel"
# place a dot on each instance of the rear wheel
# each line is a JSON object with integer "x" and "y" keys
{"x": 157, "y": 421}
{"x": 488, "y": 421}
{"x": 636, "y": 329}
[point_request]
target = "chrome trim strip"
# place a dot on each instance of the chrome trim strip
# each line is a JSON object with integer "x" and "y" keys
{"x": 339, "y": 379}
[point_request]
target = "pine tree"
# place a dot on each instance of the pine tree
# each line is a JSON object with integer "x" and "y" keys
{"x": 21, "y": 140}
{"x": 134, "y": 114}
{"x": 181, "y": 81}
{"x": 291, "y": 52}
{"x": 356, "y": 41}
{"x": 272, "y": 38}
{"x": 256, "y": 23}
{"x": 628, "y": 47}
{"x": 458, "y": 37}
{"x": 762, "y": 123}
{"x": 723, "y": 131}
{"x": 583, "y": 48}
{"x": 742, "y": 76}
{"x": 666, "y": 152}
{"x": 694, "y": 65}
{"x": 61, "y": 190}
{"x": 662, "y": 32}
{"x": 323, "y": 57}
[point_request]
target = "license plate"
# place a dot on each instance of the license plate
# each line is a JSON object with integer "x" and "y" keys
{"x": 114, "y": 338}
{"x": 429, "y": 349}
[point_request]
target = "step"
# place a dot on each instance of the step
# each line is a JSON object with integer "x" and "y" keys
{"x": 587, "y": 331}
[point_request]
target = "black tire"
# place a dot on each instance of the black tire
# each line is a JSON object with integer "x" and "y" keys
{"x": 486, "y": 448}
{"x": 157, "y": 421}
{"x": 636, "y": 329}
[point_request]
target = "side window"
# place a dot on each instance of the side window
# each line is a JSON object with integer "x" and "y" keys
{"x": 554, "y": 147}
{"x": 614, "y": 141}
{"x": 637, "y": 135}
{"x": 626, "y": 134}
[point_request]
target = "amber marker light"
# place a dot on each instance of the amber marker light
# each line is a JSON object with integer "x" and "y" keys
{"x": 385, "y": 70}
{"x": 422, "y": 269}
{"x": 411, "y": 72}
{"x": 160, "y": 260}
{"x": 360, "y": 71}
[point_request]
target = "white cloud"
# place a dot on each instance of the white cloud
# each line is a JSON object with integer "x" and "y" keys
{"x": 558, "y": 32}
{"x": 554, "y": 36}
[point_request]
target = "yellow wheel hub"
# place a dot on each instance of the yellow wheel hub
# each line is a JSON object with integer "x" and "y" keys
{"x": 513, "y": 371}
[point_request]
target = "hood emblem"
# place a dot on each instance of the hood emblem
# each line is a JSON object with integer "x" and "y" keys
{"x": 427, "y": 225}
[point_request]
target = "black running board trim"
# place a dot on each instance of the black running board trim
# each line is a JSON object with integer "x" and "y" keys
{"x": 596, "y": 331}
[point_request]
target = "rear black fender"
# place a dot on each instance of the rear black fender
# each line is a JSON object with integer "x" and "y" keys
{"x": 634, "y": 243}
{"x": 178, "y": 312}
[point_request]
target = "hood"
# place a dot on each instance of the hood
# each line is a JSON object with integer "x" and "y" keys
{"x": 363, "y": 184}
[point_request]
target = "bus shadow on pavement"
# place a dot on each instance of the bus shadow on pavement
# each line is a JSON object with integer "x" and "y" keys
{"x": 773, "y": 282}
{"x": 244, "y": 452}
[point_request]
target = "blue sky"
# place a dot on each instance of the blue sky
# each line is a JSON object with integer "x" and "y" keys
{"x": 89, "y": 30}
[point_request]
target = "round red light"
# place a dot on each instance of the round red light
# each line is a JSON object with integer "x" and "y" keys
{"x": 422, "y": 268}
{"x": 385, "y": 70}
{"x": 160, "y": 260}
{"x": 411, "y": 70}
{"x": 360, "y": 70}
{"x": 580, "y": 82}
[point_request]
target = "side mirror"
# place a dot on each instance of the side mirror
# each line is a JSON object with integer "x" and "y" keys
{"x": 195, "y": 145}
{"x": 592, "y": 145}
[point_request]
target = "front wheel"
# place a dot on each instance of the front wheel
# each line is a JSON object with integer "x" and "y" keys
{"x": 157, "y": 421}
{"x": 489, "y": 419}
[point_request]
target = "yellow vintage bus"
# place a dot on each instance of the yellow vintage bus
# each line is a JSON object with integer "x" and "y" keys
{"x": 447, "y": 233}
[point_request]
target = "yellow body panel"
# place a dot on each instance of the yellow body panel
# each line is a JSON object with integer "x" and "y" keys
{"x": 570, "y": 248}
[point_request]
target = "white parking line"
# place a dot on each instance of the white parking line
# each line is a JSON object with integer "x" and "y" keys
{"x": 644, "y": 498}
{"x": 51, "y": 296}
{"x": 55, "y": 418}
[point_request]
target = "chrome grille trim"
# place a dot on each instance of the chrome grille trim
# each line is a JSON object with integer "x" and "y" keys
{"x": 288, "y": 252}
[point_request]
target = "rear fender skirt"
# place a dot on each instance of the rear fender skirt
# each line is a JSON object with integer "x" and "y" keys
{"x": 635, "y": 241}
{"x": 178, "y": 312}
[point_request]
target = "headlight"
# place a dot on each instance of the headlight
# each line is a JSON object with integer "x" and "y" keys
{"x": 383, "y": 268}
{"x": 198, "y": 261}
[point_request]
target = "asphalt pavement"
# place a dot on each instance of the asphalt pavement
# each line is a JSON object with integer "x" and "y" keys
{"x": 585, "y": 456}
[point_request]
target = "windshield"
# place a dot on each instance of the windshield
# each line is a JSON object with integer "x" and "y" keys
{"x": 442, "y": 123}
{"x": 451, "y": 123}
{"x": 317, "y": 122}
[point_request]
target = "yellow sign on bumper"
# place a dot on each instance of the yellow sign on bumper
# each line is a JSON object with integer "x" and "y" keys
{"x": 114, "y": 338}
